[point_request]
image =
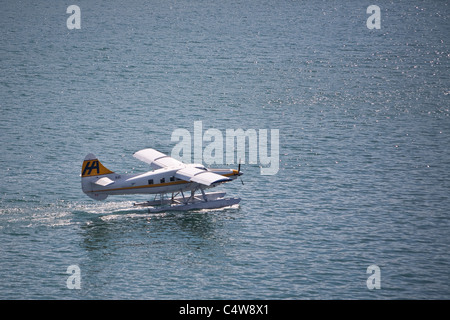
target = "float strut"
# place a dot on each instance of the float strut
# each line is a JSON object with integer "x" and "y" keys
{"x": 204, "y": 195}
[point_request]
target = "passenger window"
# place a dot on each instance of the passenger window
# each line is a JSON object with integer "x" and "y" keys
{"x": 150, "y": 181}
{"x": 172, "y": 178}
{"x": 163, "y": 180}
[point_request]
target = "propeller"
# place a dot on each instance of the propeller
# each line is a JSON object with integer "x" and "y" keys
{"x": 239, "y": 171}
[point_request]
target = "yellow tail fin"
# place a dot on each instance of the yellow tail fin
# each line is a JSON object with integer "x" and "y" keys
{"x": 93, "y": 167}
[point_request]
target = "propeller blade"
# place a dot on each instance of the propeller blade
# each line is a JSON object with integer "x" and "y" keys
{"x": 239, "y": 171}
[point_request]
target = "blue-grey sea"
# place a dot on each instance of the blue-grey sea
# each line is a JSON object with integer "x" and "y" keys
{"x": 364, "y": 148}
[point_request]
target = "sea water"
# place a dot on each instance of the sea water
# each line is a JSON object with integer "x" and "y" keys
{"x": 364, "y": 159}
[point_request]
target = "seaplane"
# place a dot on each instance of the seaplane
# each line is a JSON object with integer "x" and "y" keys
{"x": 180, "y": 186}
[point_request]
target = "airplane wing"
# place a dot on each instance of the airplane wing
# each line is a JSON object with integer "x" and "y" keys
{"x": 157, "y": 159}
{"x": 200, "y": 176}
{"x": 186, "y": 172}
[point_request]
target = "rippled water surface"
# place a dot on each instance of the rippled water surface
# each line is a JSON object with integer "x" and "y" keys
{"x": 364, "y": 135}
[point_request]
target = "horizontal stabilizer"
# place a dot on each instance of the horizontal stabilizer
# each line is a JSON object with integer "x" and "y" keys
{"x": 105, "y": 181}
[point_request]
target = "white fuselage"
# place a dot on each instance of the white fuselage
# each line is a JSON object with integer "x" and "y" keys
{"x": 153, "y": 182}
